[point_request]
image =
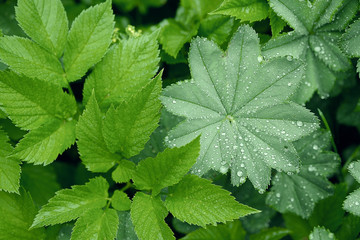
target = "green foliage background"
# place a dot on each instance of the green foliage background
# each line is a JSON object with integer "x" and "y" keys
{"x": 169, "y": 119}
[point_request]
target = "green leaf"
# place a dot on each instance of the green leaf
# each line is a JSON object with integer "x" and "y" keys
{"x": 26, "y": 57}
{"x": 153, "y": 226}
{"x": 126, "y": 68}
{"x": 311, "y": 42}
{"x": 143, "y": 5}
{"x": 124, "y": 171}
{"x": 174, "y": 35}
{"x": 201, "y": 7}
{"x": 197, "y": 201}
{"x": 274, "y": 233}
{"x": 276, "y": 23}
{"x": 245, "y": 119}
{"x": 27, "y": 108}
{"x": 127, "y": 128}
{"x": 40, "y": 181}
{"x": 44, "y": 144}
{"x": 299, "y": 227}
{"x": 50, "y": 20}
{"x": 167, "y": 168}
{"x": 17, "y": 213}
{"x": 96, "y": 224}
{"x": 350, "y": 40}
{"x": 88, "y": 40}
{"x": 230, "y": 231}
{"x": 320, "y": 233}
{"x": 91, "y": 144}
{"x": 9, "y": 167}
{"x": 126, "y": 227}
{"x": 352, "y": 202}
{"x": 299, "y": 192}
{"x": 350, "y": 228}
{"x": 120, "y": 201}
{"x": 217, "y": 28}
{"x": 245, "y": 10}
{"x": 69, "y": 204}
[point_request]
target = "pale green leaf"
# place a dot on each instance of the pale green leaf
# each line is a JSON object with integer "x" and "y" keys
{"x": 91, "y": 144}
{"x": 153, "y": 226}
{"x": 50, "y": 20}
{"x": 120, "y": 201}
{"x": 88, "y": 40}
{"x": 126, "y": 227}
{"x": 240, "y": 107}
{"x": 9, "y": 167}
{"x": 44, "y": 144}
{"x": 320, "y": 233}
{"x": 312, "y": 41}
{"x": 127, "y": 128}
{"x": 350, "y": 41}
{"x": 27, "y": 108}
{"x": 217, "y": 28}
{"x": 69, "y": 204}
{"x": 229, "y": 231}
{"x": 124, "y": 171}
{"x": 17, "y": 213}
{"x": 299, "y": 192}
{"x": 352, "y": 202}
{"x": 197, "y": 201}
{"x": 96, "y": 224}
{"x": 167, "y": 168}
{"x": 26, "y": 57}
{"x": 274, "y": 233}
{"x": 245, "y": 10}
{"x": 40, "y": 181}
{"x": 174, "y": 35}
{"x": 126, "y": 68}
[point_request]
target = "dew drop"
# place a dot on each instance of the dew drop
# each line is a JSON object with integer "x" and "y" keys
{"x": 299, "y": 123}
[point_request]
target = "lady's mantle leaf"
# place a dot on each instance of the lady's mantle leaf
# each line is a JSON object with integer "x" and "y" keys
{"x": 320, "y": 233}
{"x": 197, "y": 201}
{"x": 148, "y": 214}
{"x": 9, "y": 167}
{"x": 240, "y": 108}
{"x": 96, "y": 224}
{"x": 352, "y": 202}
{"x": 350, "y": 41}
{"x": 167, "y": 168}
{"x": 69, "y": 204}
{"x": 298, "y": 193}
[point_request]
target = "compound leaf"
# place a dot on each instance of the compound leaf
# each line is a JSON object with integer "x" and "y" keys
{"x": 127, "y": 128}
{"x": 230, "y": 231}
{"x": 124, "y": 171}
{"x": 299, "y": 192}
{"x": 126, "y": 68}
{"x": 9, "y": 167}
{"x": 352, "y": 202}
{"x": 120, "y": 201}
{"x": 245, "y": 10}
{"x": 69, "y": 204}
{"x": 153, "y": 226}
{"x": 96, "y": 224}
{"x": 27, "y": 108}
{"x": 26, "y": 57}
{"x": 197, "y": 201}
{"x": 167, "y": 168}
{"x": 17, "y": 213}
{"x": 240, "y": 107}
{"x": 44, "y": 144}
{"x": 91, "y": 144}
{"x": 50, "y": 20}
{"x": 88, "y": 40}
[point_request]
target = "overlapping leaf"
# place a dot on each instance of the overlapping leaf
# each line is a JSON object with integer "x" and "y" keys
{"x": 299, "y": 192}
{"x": 9, "y": 167}
{"x": 240, "y": 107}
{"x": 126, "y": 227}
{"x": 317, "y": 29}
{"x": 88, "y": 40}
{"x": 69, "y": 204}
{"x": 352, "y": 202}
{"x": 320, "y": 233}
{"x": 50, "y": 20}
